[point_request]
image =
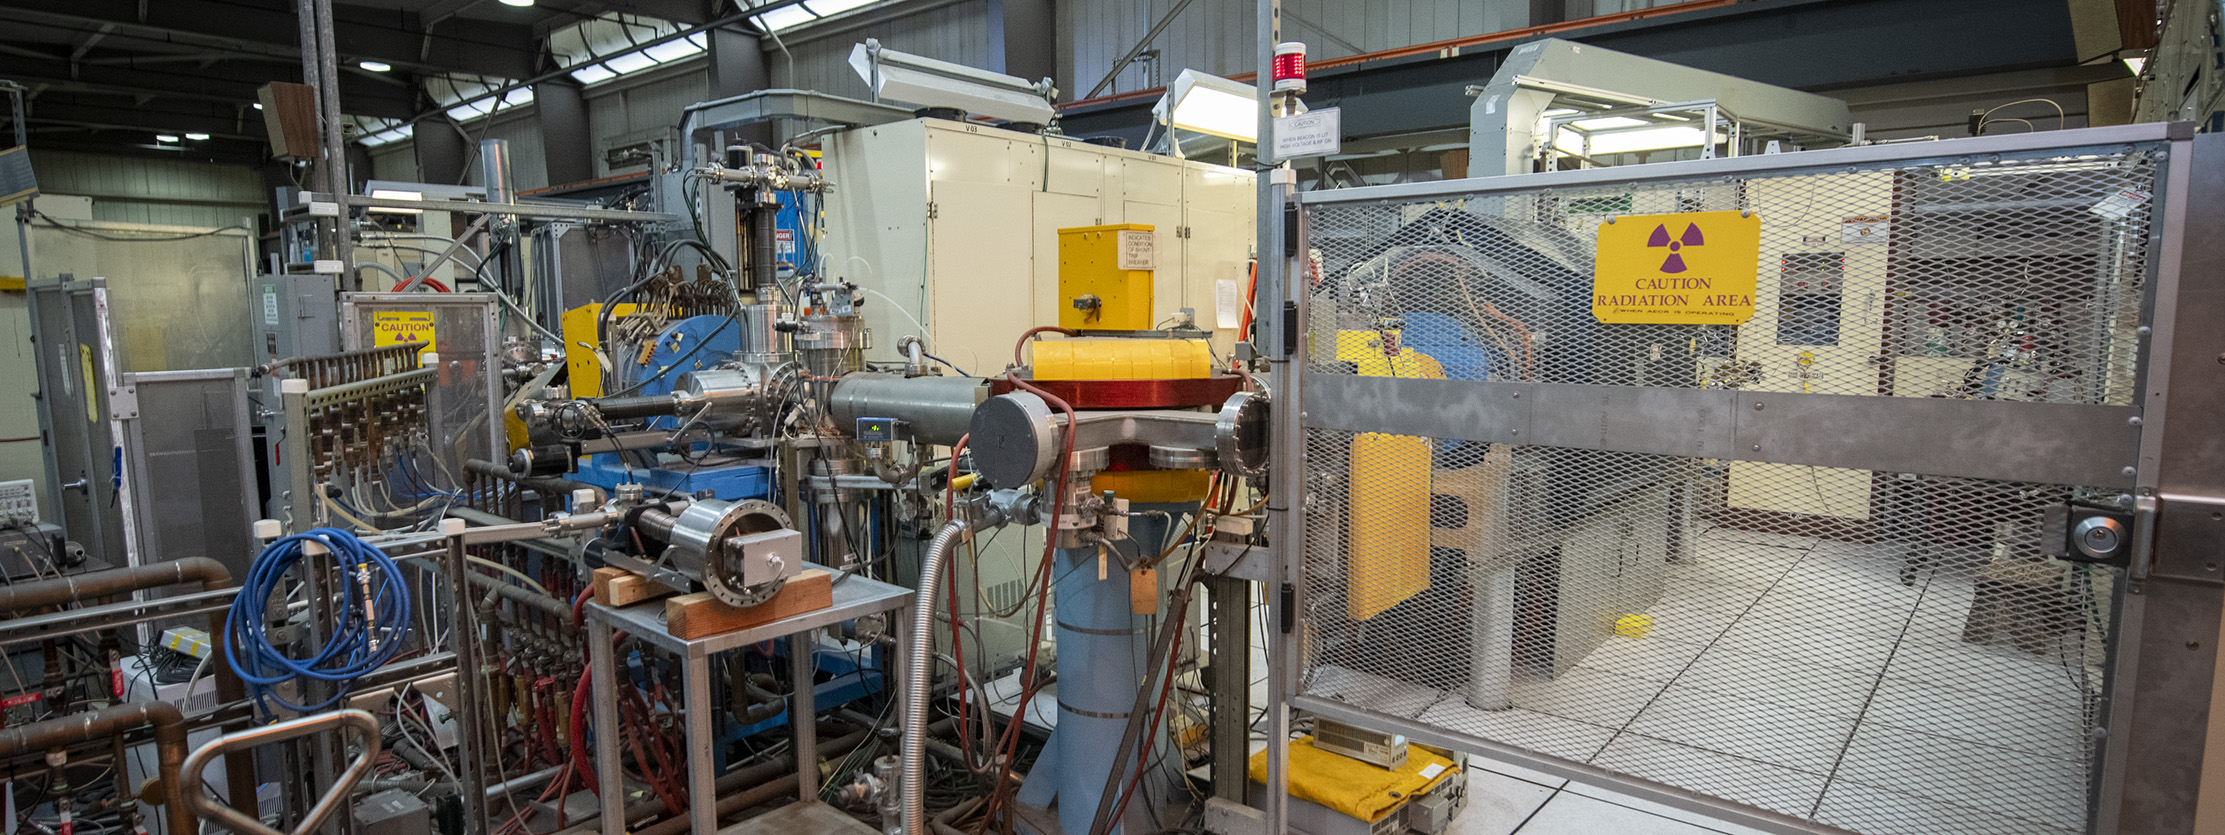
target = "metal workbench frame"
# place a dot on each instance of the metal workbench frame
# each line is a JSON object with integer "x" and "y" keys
{"x": 854, "y": 597}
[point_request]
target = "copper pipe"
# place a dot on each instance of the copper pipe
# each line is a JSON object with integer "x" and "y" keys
{"x": 163, "y": 717}
{"x": 23, "y": 598}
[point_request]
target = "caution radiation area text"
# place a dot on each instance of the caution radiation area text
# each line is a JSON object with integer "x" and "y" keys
{"x": 1691, "y": 268}
{"x": 399, "y": 327}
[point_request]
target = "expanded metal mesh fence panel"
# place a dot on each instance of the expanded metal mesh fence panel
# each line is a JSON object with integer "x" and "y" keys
{"x": 2012, "y": 279}
{"x": 1875, "y": 650}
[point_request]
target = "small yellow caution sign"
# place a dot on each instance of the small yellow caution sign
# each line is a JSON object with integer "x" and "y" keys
{"x": 1691, "y": 268}
{"x": 400, "y": 327}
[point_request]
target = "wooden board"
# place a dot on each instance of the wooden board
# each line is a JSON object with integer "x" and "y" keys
{"x": 692, "y": 616}
{"x": 617, "y": 587}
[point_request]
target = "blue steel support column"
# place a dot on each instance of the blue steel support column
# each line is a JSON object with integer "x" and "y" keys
{"x": 1102, "y": 646}
{"x": 1099, "y": 647}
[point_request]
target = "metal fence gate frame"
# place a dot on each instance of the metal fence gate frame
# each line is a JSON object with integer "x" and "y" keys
{"x": 2108, "y": 434}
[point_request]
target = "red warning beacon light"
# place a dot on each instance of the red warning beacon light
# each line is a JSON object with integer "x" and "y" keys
{"x": 1290, "y": 67}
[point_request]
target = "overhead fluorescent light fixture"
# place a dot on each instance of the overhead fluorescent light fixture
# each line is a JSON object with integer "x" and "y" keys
{"x": 1211, "y": 104}
{"x": 166, "y": 137}
{"x": 196, "y": 136}
{"x": 1610, "y": 123}
{"x": 1633, "y": 141}
{"x": 518, "y": 3}
{"x": 396, "y": 194}
{"x": 926, "y": 82}
{"x": 375, "y": 66}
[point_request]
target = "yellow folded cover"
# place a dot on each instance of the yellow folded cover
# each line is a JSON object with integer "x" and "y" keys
{"x": 1355, "y": 788}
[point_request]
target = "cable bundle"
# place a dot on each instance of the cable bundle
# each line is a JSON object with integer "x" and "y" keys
{"x": 371, "y": 618}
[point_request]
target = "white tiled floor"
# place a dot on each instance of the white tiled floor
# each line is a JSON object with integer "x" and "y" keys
{"x": 1795, "y": 675}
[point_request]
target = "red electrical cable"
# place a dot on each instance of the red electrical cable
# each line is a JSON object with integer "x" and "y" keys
{"x": 950, "y": 479}
{"x": 1030, "y": 334}
{"x": 957, "y": 639}
{"x": 580, "y": 694}
{"x": 1158, "y": 714}
{"x": 1009, "y": 745}
{"x": 1251, "y": 287}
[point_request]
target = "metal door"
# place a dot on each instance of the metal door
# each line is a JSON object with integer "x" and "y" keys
{"x": 75, "y": 360}
{"x": 1796, "y": 571}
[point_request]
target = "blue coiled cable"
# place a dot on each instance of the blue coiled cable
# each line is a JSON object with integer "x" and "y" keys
{"x": 358, "y": 644}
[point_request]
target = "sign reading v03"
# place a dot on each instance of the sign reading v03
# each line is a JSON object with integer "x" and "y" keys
{"x": 1693, "y": 268}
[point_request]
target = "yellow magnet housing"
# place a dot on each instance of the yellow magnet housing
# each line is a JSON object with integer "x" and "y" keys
{"x": 1122, "y": 359}
{"x": 1105, "y": 275}
{"x": 1132, "y": 359}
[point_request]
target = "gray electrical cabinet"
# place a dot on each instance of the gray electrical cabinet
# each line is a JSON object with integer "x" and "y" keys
{"x": 296, "y": 316}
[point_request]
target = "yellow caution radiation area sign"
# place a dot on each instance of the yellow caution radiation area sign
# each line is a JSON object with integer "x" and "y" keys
{"x": 397, "y": 327}
{"x": 1692, "y": 268}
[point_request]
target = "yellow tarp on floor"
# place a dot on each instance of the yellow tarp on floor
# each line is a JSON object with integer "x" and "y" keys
{"x": 1364, "y": 791}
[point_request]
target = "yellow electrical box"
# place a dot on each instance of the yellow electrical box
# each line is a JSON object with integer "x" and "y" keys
{"x": 1105, "y": 275}
{"x": 1122, "y": 359}
{"x": 582, "y": 366}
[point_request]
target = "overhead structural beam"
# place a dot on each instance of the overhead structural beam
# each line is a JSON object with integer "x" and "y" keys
{"x": 160, "y": 115}
{"x": 1142, "y": 44}
{"x": 226, "y": 83}
{"x": 507, "y": 50}
{"x": 1812, "y": 45}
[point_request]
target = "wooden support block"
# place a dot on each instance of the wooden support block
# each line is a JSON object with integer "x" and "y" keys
{"x": 617, "y": 587}
{"x": 697, "y": 615}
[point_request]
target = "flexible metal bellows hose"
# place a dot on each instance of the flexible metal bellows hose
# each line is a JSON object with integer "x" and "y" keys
{"x": 919, "y": 669}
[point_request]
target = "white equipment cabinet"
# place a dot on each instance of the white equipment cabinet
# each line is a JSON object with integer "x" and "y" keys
{"x": 958, "y": 223}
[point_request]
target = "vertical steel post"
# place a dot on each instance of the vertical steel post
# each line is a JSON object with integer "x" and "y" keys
{"x": 1228, "y": 602}
{"x": 695, "y": 679}
{"x": 335, "y": 153}
{"x": 472, "y": 740}
{"x": 803, "y": 659}
{"x": 1285, "y": 528}
{"x": 303, "y": 510}
{"x": 320, "y": 71}
{"x": 602, "y": 675}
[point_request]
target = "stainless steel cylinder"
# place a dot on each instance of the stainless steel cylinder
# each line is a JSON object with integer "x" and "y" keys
{"x": 830, "y": 346}
{"x": 760, "y": 339}
{"x": 741, "y": 396}
{"x": 494, "y": 170}
{"x": 700, "y": 539}
{"x": 935, "y": 410}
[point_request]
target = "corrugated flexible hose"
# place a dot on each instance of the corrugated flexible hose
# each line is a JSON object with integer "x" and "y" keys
{"x": 919, "y": 667}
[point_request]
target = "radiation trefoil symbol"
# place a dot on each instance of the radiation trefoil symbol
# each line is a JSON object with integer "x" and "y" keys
{"x": 1675, "y": 262}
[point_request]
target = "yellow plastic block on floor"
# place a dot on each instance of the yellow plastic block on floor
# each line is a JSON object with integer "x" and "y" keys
{"x": 1634, "y": 626}
{"x": 1355, "y": 788}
